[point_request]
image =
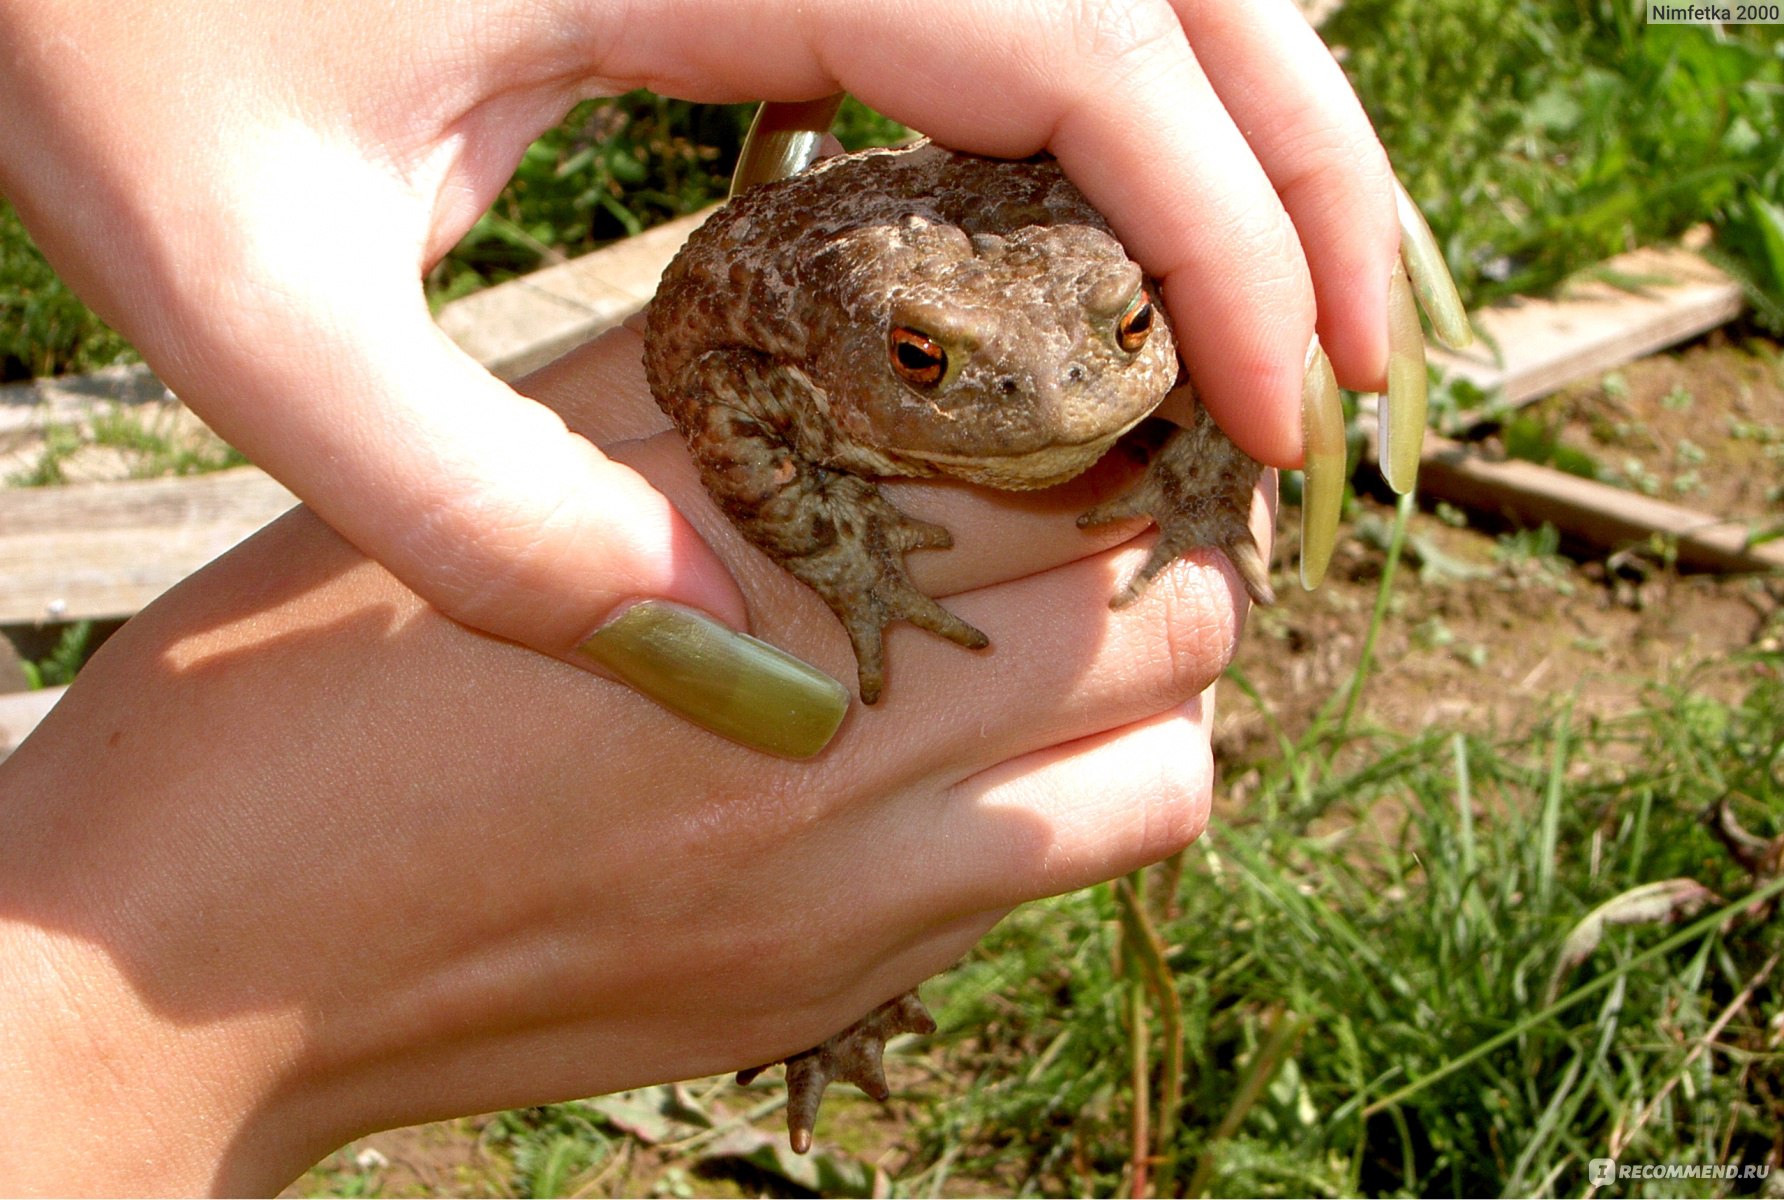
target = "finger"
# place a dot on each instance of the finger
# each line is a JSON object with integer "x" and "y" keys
{"x": 1073, "y": 815}
{"x": 479, "y": 499}
{"x": 1118, "y": 94}
{"x": 1062, "y": 664}
{"x": 599, "y": 388}
{"x": 1310, "y": 134}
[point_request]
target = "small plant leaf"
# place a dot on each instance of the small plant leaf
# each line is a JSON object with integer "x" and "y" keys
{"x": 821, "y": 1172}
{"x": 1665, "y": 901}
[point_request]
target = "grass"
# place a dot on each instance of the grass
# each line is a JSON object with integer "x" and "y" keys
{"x": 1541, "y": 138}
{"x": 1372, "y": 979}
{"x": 44, "y": 329}
{"x": 1441, "y": 963}
{"x": 612, "y": 169}
{"x": 74, "y": 645}
{"x": 149, "y": 442}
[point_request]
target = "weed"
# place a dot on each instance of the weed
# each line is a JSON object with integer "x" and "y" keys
{"x": 60, "y": 442}
{"x": 44, "y": 328}
{"x": 152, "y": 441}
{"x": 62, "y": 663}
{"x": 1541, "y": 138}
{"x": 1397, "y": 976}
{"x": 553, "y": 1150}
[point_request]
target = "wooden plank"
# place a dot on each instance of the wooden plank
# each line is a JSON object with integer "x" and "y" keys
{"x": 1529, "y": 348}
{"x": 105, "y": 550}
{"x": 1594, "y": 512}
{"x": 20, "y": 713}
{"x": 70, "y": 399}
{"x": 523, "y": 324}
{"x": 512, "y": 328}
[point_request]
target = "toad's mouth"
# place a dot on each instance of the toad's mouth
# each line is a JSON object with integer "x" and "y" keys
{"x": 1026, "y": 469}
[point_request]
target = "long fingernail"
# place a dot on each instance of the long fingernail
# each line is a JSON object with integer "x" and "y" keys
{"x": 733, "y": 684}
{"x": 1431, "y": 280}
{"x": 1403, "y": 416}
{"x": 1322, "y": 467}
{"x": 783, "y": 140}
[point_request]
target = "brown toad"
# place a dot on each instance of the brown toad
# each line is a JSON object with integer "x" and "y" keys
{"x": 920, "y": 312}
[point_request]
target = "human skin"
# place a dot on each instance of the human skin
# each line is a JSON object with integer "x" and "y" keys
{"x": 251, "y": 193}
{"x": 298, "y": 857}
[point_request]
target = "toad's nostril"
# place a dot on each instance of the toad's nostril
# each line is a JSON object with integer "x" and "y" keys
{"x": 1075, "y": 373}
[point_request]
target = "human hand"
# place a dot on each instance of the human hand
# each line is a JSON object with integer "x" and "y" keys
{"x": 297, "y": 858}
{"x": 252, "y": 192}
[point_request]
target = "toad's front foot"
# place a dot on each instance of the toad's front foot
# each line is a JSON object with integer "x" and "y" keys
{"x": 1197, "y": 490}
{"x": 856, "y": 1055}
{"x": 858, "y": 568}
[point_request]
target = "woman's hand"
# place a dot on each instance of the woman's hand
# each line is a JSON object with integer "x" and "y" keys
{"x": 297, "y": 857}
{"x": 252, "y": 192}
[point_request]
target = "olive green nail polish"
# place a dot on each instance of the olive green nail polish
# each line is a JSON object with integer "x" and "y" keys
{"x": 1322, "y": 468}
{"x": 783, "y": 140}
{"x": 735, "y": 685}
{"x": 1403, "y": 416}
{"x": 1431, "y": 280}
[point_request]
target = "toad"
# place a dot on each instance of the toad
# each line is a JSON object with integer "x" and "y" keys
{"x": 920, "y": 312}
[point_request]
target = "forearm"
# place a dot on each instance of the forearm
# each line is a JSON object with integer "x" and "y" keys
{"x": 143, "y": 973}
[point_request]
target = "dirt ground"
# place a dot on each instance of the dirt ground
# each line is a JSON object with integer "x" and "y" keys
{"x": 1489, "y": 625}
{"x": 1487, "y": 629}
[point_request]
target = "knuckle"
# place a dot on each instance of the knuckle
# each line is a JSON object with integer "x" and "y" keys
{"x": 1341, "y": 178}
{"x": 1119, "y": 39}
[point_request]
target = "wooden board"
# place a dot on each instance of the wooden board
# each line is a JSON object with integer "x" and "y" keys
{"x": 1529, "y": 348}
{"x": 70, "y": 399}
{"x": 512, "y": 328}
{"x": 521, "y": 325}
{"x": 20, "y": 713}
{"x": 1594, "y": 512}
{"x": 105, "y": 550}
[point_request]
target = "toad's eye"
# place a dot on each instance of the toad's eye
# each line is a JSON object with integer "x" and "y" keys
{"x": 1135, "y": 323}
{"x": 917, "y": 358}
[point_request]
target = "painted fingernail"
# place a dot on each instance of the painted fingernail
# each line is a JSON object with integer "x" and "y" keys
{"x": 1403, "y": 416}
{"x": 1431, "y": 280}
{"x": 1322, "y": 468}
{"x": 735, "y": 685}
{"x": 783, "y": 140}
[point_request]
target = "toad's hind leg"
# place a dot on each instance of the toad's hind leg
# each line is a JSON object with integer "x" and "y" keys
{"x": 1197, "y": 489}
{"x": 856, "y": 1055}
{"x": 833, "y": 531}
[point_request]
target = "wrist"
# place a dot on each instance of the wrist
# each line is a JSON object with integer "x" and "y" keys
{"x": 107, "y": 1093}
{"x": 129, "y": 1071}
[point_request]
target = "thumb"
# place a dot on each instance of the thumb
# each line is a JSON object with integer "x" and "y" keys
{"x": 487, "y": 506}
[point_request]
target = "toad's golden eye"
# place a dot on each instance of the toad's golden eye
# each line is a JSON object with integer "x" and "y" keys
{"x": 917, "y": 358}
{"x": 1135, "y": 323}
